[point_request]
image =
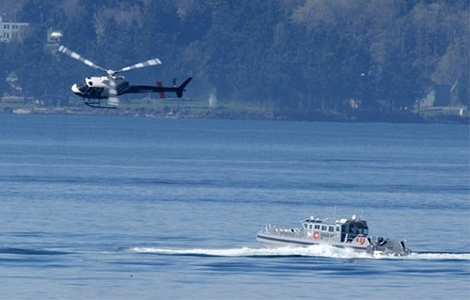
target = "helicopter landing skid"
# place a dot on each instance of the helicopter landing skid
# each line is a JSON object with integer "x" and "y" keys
{"x": 99, "y": 104}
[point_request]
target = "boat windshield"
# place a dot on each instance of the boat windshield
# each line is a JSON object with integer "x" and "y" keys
{"x": 357, "y": 228}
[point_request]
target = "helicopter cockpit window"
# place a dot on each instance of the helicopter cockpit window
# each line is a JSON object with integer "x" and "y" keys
{"x": 82, "y": 85}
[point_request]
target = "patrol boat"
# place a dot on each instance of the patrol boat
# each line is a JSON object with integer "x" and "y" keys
{"x": 350, "y": 233}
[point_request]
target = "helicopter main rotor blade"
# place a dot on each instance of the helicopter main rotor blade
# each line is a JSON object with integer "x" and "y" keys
{"x": 113, "y": 100}
{"x": 148, "y": 63}
{"x": 78, "y": 57}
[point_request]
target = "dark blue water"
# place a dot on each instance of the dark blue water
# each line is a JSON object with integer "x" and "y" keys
{"x": 135, "y": 208}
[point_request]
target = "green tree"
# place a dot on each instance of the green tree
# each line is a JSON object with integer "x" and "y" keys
{"x": 306, "y": 58}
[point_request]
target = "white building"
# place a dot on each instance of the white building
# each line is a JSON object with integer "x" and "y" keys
{"x": 54, "y": 36}
{"x": 10, "y": 30}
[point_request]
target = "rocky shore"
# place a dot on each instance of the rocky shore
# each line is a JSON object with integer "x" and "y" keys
{"x": 222, "y": 113}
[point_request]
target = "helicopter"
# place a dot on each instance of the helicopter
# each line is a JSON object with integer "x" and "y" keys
{"x": 103, "y": 91}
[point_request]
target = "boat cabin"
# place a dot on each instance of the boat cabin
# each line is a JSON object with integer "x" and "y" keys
{"x": 345, "y": 230}
{"x": 351, "y": 228}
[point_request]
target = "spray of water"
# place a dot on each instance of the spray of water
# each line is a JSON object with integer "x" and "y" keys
{"x": 315, "y": 251}
{"x": 212, "y": 100}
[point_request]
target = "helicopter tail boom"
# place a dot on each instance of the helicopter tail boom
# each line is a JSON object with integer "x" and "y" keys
{"x": 159, "y": 88}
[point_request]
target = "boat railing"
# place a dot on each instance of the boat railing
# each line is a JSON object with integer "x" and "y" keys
{"x": 281, "y": 231}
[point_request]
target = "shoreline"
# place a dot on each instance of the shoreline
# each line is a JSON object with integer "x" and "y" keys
{"x": 224, "y": 114}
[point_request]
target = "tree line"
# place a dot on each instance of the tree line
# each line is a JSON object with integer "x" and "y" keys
{"x": 301, "y": 57}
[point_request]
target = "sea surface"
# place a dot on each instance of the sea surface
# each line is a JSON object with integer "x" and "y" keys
{"x": 105, "y": 207}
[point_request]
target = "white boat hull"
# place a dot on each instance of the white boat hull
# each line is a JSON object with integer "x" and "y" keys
{"x": 277, "y": 241}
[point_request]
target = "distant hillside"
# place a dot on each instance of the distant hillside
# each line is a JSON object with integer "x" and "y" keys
{"x": 302, "y": 58}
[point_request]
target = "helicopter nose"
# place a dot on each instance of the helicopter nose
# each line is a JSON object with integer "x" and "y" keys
{"x": 75, "y": 89}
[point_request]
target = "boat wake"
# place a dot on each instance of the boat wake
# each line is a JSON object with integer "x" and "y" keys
{"x": 313, "y": 251}
{"x": 440, "y": 255}
{"x": 22, "y": 251}
{"x": 321, "y": 251}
